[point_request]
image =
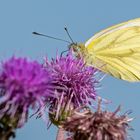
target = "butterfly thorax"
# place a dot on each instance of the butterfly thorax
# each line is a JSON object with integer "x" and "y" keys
{"x": 81, "y": 51}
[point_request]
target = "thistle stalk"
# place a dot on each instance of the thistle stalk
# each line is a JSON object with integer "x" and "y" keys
{"x": 60, "y": 134}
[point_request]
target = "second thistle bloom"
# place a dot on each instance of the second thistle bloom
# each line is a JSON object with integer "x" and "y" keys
{"x": 23, "y": 84}
{"x": 73, "y": 82}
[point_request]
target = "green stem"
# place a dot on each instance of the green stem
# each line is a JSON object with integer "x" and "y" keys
{"x": 6, "y": 135}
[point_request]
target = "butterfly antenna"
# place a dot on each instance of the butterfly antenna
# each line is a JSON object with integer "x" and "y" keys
{"x": 69, "y": 34}
{"x": 39, "y": 34}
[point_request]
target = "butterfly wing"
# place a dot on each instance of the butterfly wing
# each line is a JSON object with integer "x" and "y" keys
{"x": 116, "y": 50}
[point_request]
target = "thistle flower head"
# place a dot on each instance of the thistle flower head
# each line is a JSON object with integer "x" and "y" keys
{"x": 23, "y": 84}
{"x": 73, "y": 81}
{"x": 100, "y": 125}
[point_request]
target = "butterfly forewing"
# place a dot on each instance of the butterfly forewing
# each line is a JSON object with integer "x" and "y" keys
{"x": 116, "y": 50}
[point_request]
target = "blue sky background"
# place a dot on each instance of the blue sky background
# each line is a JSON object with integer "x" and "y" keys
{"x": 83, "y": 18}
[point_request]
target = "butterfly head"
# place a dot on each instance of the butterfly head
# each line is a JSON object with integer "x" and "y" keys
{"x": 78, "y": 49}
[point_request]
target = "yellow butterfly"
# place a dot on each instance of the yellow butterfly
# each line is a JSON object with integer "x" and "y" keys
{"x": 115, "y": 50}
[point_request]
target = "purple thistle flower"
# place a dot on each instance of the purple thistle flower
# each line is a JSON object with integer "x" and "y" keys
{"x": 23, "y": 84}
{"x": 73, "y": 82}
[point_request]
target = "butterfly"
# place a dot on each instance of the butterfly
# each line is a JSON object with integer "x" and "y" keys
{"x": 115, "y": 50}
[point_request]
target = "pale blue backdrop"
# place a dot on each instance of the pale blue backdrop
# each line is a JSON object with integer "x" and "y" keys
{"x": 83, "y": 18}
